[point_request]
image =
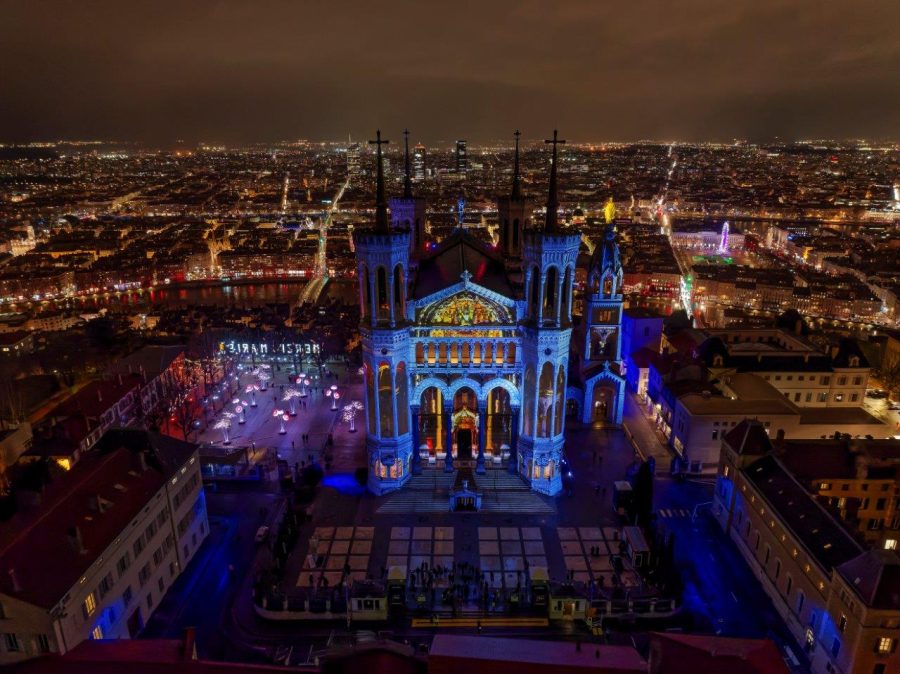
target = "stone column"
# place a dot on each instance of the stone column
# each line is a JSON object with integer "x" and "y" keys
{"x": 390, "y": 291}
{"x": 513, "y": 442}
{"x": 482, "y": 420}
{"x": 448, "y": 420}
{"x": 416, "y": 459}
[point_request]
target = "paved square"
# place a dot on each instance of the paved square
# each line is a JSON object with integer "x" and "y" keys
{"x": 327, "y": 555}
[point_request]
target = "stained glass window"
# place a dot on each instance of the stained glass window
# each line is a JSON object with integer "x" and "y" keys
{"x": 466, "y": 309}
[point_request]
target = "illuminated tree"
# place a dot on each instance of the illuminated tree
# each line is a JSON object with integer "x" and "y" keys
{"x": 349, "y": 414}
{"x": 290, "y": 396}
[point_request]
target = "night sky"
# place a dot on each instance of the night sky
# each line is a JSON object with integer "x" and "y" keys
{"x": 239, "y": 70}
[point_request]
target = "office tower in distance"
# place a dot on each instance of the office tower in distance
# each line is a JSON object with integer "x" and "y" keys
{"x": 418, "y": 169}
{"x": 462, "y": 163}
{"x": 353, "y": 160}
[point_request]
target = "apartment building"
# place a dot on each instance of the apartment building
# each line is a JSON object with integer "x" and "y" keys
{"x": 97, "y": 554}
{"x": 837, "y": 597}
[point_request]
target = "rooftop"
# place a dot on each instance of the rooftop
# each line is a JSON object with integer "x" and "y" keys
{"x": 82, "y": 513}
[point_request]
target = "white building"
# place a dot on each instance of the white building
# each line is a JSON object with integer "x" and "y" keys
{"x": 95, "y": 558}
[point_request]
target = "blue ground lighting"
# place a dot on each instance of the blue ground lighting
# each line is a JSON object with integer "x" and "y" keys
{"x": 344, "y": 483}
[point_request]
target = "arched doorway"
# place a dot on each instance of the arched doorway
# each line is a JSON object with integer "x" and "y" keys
{"x": 431, "y": 422}
{"x": 498, "y": 422}
{"x": 465, "y": 424}
{"x": 603, "y": 403}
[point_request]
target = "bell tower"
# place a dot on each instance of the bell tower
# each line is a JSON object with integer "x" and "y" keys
{"x": 408, "y": 211}
{"x": 514, "y": 212}
{"x": 549, "y": 256}
{"x": 382, "y": 267}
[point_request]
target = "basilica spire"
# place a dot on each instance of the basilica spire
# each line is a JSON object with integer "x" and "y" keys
{"x": 552, "y": 222}
{"x": 517, "y": 183}
{"x": 381, "y": 217}
{"x": 407, "y": 181}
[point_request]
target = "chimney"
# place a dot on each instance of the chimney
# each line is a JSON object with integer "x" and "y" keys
{"x": 76, "y": 540}
{"x": 14, "y": 579}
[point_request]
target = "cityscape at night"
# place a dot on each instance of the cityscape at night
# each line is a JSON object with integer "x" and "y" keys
{"x": 416, "y": 339}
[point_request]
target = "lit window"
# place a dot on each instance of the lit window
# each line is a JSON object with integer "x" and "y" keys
{"x": 97, "y": 633}
{"x": 825, "y": 486}
{"x": 890, "y": 544}
{"x": 885, "y": 645}
{"x": 90, "y": 604}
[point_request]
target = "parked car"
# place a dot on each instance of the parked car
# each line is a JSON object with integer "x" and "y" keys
{"x": 262, "y": 534}
{"x": 894, "y": 405}
{"x": 877, "y": 393}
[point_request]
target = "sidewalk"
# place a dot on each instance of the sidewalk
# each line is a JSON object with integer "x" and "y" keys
{"x": 645, "y": 437}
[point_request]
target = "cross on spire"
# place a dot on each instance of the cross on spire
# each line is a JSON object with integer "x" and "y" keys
{"x": 407, "y": 182}
{"x": 516, "y": 186}
{"x": 381, "y": 219}
{"x": 552, "y": 223}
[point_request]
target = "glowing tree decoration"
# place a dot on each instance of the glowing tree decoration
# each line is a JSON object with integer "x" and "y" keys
{"x": 349, "y": 414}
{"x": 291, "y": 396}
{"x": 282, "y": 417}
{"x": 264, "y": 378}
{"x": 224, "y": 425}
{"x": 240, "y": 412}
{"x": 723, "y": 241}
{"x": 252, "y": 389}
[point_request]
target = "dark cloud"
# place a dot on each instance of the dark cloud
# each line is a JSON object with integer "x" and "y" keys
{"x": 234, "y": 71}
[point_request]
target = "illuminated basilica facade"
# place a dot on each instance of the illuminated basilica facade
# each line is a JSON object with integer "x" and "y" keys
{"x": 470, "y": 356}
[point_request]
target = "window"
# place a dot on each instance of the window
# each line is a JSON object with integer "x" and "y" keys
{"x": 890, "y": 544}
{"x": 138, "y": 546}
{"x": 43, "y": 642}
{"x": 715, "y": 434}
{"x": 857, "y": 381}
{"x": 127, "y": 596}
{"x": 838, "y": 397}
{"x": 823, "y": 397}
{"x": 825, "y": 381}
{"x": 768, "y": 554}
{"x": 97, "y": 633}
{"x": 788, "y": 586}
{"x": 874, "y": 524}
{"x": 777, "y": 568}
{"x": 800, "y": 598}
{"x": 854, "y": 397}
{"x": 12, "y": 642}
{"x": 842, "y": 623}
{"x": 884, "y": 645}
{"x": 824, "y": 486}
{"x": 89, "y": 605}
{"x": 149, "y": 600}
{"x": 123, "y": 564}
{"x": 879, "y": 668}
{"x": 842, "y": 381}
{"x": 144, "y": 574}
{"x": 106, "y": 585}
{"x": 171, "y": 569}
{"x": 809, "y": 397}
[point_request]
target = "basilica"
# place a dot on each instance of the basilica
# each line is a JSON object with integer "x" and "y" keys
{"x": 472, "y": 360}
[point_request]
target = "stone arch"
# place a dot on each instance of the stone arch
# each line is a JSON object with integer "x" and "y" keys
{"x": 514, "y": 395}
{"x": 401, "y": 395}
{"x": 529, "y": 391}
{"x": 385, "y": 383}
{"x": 382, "y": 294}
{"x": 545, "y": 400}
{"x": 399, "y": 298}
{"x": 566, "y": 306}
{"x": 549, "y": 298}
{"x": 574, "y": 401}
{"x": 465, "y": 382}
{"x": 427, "y": 383}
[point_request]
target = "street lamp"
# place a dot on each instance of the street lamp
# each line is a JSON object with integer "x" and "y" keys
{"x": 334, "y": 400}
